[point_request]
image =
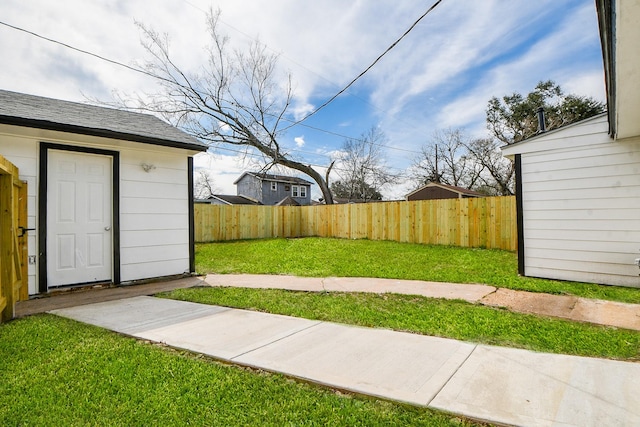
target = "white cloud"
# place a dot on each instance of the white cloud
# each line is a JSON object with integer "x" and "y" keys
{"x": 224, "y": 169}
{"x": 442, "y": 74}
{"x": 590, "y": 83}
{"x": 542, "y": 61}
{"x": 299, "y": 140}
{"x": 301, "y": 109}
{"x": 224, "y": 127}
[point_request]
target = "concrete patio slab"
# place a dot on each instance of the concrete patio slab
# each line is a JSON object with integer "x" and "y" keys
{"x": 521, "y": 387}
{"x": 394, "y": 365}
{"x": 74, "y": 297}
{"x": 501, "y": 385}
{"x": 228, "y": 334}
{"x": 133, "y": 315}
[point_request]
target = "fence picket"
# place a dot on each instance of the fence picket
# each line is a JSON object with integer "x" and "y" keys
{"x": 481, "y": 222}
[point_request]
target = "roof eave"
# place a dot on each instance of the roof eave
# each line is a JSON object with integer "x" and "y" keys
{"x": 606, "y": 15}
{"x": 513, "y": 147}
{"x": 104, "y": 133}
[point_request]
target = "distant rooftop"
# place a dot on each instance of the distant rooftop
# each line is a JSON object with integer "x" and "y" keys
{"x": 230, "y": 199}
{"x": 20, "y": 109}
{"x": 278, "y": 178}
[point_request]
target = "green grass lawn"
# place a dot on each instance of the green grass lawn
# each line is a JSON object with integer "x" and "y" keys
{"x": 57, "y": 372}
{"x": 324, "y": 257}
{"x": 429, "y": 316}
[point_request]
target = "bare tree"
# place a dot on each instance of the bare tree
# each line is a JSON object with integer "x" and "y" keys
{"x": 237, "y": 98}
{"x": 445, "y": 159}
{"x": 203, "y": 185}
{"x": 498, "y": 173}
{"x": 362, "y": 167}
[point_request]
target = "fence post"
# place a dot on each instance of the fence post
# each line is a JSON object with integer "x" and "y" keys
{"x": 479, "y": 222}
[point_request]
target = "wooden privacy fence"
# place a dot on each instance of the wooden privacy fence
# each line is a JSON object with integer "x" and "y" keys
{"x": 488, "y": 222}
{"x": 13, "y": 242}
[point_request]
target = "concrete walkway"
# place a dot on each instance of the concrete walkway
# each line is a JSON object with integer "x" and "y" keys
{"x": 600, "y": 312}
{"x": 501, "y": 385}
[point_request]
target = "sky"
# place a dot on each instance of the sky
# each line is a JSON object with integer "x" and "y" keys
{"x": 440, "y": 76}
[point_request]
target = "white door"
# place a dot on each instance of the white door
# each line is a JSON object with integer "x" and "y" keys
{"x": 79, "y": 236}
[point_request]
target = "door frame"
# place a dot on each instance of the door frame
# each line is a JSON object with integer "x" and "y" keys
{"x": 43, "y": 205}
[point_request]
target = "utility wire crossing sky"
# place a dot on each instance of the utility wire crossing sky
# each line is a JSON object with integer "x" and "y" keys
{"x": 439, "y": 74}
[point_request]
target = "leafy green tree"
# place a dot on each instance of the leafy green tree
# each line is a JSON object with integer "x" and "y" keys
{"x": 513, "y": 118}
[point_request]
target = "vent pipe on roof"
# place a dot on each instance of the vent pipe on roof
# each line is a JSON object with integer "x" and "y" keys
{"x": 541, "y": 122}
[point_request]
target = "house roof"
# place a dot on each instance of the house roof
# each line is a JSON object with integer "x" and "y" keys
{"x": 459, "y": 190}
{"x": 605, "y": 11}
{"x": 234, "y": 200}
{"x": 515, "y": 148}
{"x": 20, "y": 109}
{"x": 277, "y": 178}
{"x": 288, "y": 201}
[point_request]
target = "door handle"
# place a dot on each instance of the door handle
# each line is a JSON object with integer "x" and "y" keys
{"x": 107, "y": 228}
{"x": 22, "y": 230}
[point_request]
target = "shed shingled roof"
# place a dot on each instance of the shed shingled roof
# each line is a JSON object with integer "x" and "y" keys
{"x": 21, "y": 109}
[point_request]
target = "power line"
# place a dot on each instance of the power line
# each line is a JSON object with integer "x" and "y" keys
{"x": 256, "y": 155}
{"x": 341, "y": 91}
{"x": 294, "y": 123}
{"x": 286, "y": 56}
{"x": 141, "y": 71}
{"x": 86, "y": 52}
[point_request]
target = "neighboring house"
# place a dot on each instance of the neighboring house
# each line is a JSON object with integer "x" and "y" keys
{"x": 272, "y": 189}
{"x": 434, "y": 191}
{"x": 109, "y": 191}
{"x": 228, "y": 199}
{"x": 578, "y": 187}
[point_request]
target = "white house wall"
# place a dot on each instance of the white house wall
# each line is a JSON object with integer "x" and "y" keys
{"x": 24, "y": 153}
{"x": 154, "y": 214}
{"x": 154, "y": 219}
{"x": 581, "y": 205}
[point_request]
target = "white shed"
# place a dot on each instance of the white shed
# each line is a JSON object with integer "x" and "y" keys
{"x": 109, "y": 191}
{"x": 579, "y": 204}
{"x": 578, "y": 187}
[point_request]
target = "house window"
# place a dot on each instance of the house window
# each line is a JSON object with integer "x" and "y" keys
{"x": 274, "y": 186}
{"x": 295, "y": 191}
{"x": 303, "y": 191}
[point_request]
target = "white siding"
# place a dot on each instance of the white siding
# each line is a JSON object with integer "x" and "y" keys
{"x": 23, "y": 153}
{"x": 154, "y": 206}
{"x": 581, "y": 205}
{"x": 154, "y": 214}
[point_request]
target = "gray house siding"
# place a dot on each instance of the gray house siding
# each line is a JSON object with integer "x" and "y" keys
{"x": 283, "y": 190}
{"x": 249, "y": 186}
{"x": 261, "y": 188}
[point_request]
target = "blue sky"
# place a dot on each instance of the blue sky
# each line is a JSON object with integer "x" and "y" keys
{"x": 440, "y": 76}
